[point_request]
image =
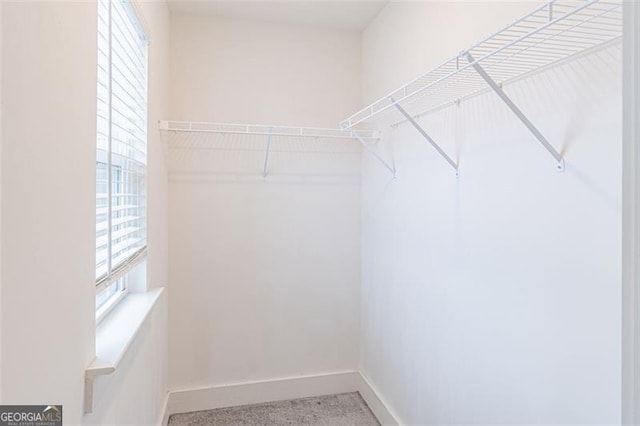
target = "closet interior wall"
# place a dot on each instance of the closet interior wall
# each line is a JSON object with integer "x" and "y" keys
{"x": 266, "y": 272}
{"x": 493, "y": 297}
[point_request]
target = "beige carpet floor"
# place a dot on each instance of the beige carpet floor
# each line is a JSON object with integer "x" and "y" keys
{"x": 346, "y": 409}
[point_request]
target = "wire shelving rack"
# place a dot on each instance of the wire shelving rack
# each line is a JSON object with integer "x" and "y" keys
{"x": 203, "y": 135}
{"x": 556, "y": 32}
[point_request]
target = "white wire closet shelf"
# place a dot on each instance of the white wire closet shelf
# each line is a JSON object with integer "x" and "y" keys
{"x": 259, "y": 138}
{"x": 263, "y": 129}
{"x": 551, "y": 34}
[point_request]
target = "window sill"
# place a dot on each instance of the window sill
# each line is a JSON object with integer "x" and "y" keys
{"x": 114, "y": 336}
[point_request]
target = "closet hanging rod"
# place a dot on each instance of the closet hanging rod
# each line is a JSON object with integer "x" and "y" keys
{"x": 550, "y": 34}
{"x": 266, "y": 130}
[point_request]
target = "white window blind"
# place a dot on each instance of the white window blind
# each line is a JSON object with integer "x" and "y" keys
{"x": 121, "y": 235}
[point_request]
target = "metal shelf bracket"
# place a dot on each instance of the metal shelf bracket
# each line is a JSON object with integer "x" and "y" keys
{"x": 521, "y": 116}
{"x": 266, "y": 154}
{"x": 373, "y": 152}
{"x": 429, "y": 139}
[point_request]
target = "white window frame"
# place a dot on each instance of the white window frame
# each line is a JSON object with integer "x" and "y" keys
{"x": 119, "y": 276}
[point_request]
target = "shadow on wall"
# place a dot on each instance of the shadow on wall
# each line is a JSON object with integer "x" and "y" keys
{"x": 500, "y": 283}
{"x": 557, "y": 101}
{"x": 217, "y": 157}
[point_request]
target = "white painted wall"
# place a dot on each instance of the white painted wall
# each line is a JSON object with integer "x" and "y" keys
{"x": 231, "y": 71}
{"x": 48, "y": 105}
{"x": 266, "y": 281}
{"x": 493, "y": 297}
{"x": 409, "y": 38}
{"x": 265, "y": 275}
{"x": 48, "y": 225}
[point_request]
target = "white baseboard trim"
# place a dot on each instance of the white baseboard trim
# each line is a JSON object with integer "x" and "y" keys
{"x": 208, "y": 398}
{"x": 372, "y": 397}
{"x": 163, "y": 418}
{"x": 220, "y": 396}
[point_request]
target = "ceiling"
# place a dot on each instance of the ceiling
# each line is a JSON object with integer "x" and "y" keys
{"x": 348, "y": 15}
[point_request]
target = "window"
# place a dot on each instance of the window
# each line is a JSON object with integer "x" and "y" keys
{"x": 121, "y": 236}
